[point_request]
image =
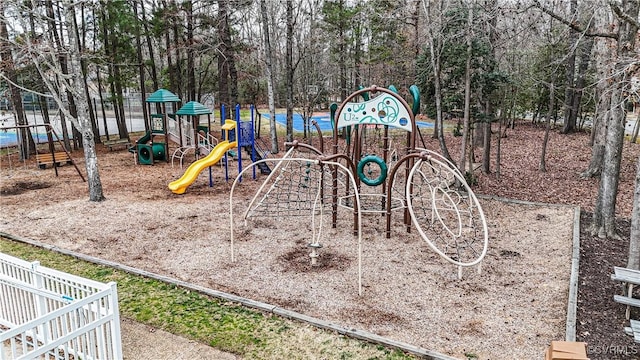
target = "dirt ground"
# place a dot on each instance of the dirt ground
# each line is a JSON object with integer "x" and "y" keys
{"x": 409, "y": 293}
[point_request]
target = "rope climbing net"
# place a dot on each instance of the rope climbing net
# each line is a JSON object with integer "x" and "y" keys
{"x": 297, "y": 186}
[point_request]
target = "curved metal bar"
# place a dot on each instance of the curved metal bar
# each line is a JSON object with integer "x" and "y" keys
{"x": 405, "y": 160}
{"x": 320, "y": 138}
{"x": 318, "y": 162}
{"x": 415, "y": 93}
{"x": 426, "y": 157}
{"x": 297, "y": 144}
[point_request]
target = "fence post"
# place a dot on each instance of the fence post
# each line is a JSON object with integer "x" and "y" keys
{"x": 40, "y": 303}
{"x": 116, "y": 339}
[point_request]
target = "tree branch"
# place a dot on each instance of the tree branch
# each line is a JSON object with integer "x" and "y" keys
{"x": 573, "y": 25}
{"x": 622, "y": 15}
{"x": 24, "y": 88}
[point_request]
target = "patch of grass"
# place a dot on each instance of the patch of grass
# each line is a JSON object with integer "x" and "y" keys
{"x": 221, "y": 324}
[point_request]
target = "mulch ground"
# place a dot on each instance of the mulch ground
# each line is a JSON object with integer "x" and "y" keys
{"x": 601, "y": 321}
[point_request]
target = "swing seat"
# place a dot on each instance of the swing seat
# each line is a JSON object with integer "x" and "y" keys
{"x": 48, "y": 159}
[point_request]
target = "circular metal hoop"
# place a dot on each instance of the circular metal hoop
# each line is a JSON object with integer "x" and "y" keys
{"x": 451, "y": 226}
{"x": 383, "y": 170}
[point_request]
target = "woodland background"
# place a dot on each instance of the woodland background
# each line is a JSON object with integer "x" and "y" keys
{"x": 571, "y": 63}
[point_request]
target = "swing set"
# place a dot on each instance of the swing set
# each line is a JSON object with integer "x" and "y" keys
{"x": 51, "y": 157}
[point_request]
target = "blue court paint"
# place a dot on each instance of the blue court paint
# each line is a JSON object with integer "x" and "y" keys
{"x": 323, "y": 120}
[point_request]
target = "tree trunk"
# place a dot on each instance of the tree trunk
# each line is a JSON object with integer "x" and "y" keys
{"x": 437, "y": 96}
{"x": 604, "y": 215}
{"x": 176, "y": 22}
{"x": 486, "y": 146}
{"x": 543, "y": 154}
{"x": 223, "y": 69}
{"x": 499, "y": 149}
{"x": 85, "y": 81}
{"x": 569, "y": 118}
{"x": 63, "y": 64}
{"x": 229, "y": 72}
{"x": 83, "y": 123}
{"x": 598, "y": 133}
{"x": 191, "y": 73}
{"x": 102, "y": 108}
{"x": 490, "y": 30}
{"x": 585, "y": 56}
{"x": 168, "y": 46}
{"x": 152, "y": 62}
{"x": 636, "y": 129}
{"x": 233, "y": 73}
{"x": 467, "y": 97}
{"x": 416, "y": 37}
{"x": 289, "y": 70}
{"x": 8, "y": 68}
{"x": 604, "y": 68}
{"x": 118, "y": 98}
{"x": 342, "y": 50}
{"x": 269, "y": 73}
{"x": 634, "y": 239}
{"x": 434, "y": 51}
{"x": 141, "y": 67}
{"x": 357, "y": 56}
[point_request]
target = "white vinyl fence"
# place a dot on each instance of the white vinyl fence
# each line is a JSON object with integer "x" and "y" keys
{"x": 49, "y": 314}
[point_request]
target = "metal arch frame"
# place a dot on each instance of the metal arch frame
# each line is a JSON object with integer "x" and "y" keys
{"x": 427, "y": 157}
{"x": 280, "y": 161}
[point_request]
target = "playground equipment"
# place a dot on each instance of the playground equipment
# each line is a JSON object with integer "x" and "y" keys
{"x": 247, "y": 140}
{"x": 193, "y": 137}
{"x": 148, "y": 149}
{"x": 52, "y": 157}
{"x": 369, "y": 173}
{"x": 235, "y": 134}
{"x": 191, "y": 174}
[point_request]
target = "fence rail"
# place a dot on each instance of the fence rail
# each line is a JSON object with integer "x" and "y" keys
{"x": 49, "y": 314}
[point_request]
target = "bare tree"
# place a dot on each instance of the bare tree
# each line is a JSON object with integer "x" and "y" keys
{"x": 269, "y": 73}
{"x": 627, "y": 25}
{"x": 467, "y": 96}
{"x": 289, "y": 69}
{"x": 45, "y": 56}
{"x": 624, "y": 60}
{"x": 552, "y": 105}
{"x": 570, "y": 69}
{"x": 8, "y": 69}
{"x": 604, "y": 70}
{"x": 434, "y": 20}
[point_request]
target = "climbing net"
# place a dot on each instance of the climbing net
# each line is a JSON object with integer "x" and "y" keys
{"x": 445, "y": 211}
{"x": 299, "y": 187}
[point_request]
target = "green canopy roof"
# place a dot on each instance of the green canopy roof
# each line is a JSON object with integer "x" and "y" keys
{"x": 161, "y": 96}
{"x": 193, "y": 108}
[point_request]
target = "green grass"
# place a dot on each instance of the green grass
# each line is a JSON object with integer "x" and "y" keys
{"x": 221, "y": 324}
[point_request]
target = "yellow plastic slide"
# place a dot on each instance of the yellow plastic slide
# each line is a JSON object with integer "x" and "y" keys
{"x": 191, "y": 174}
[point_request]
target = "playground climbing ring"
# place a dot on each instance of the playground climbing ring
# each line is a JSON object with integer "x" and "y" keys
{"x": 365, "y": 163}
{"x": 446, "y": 212}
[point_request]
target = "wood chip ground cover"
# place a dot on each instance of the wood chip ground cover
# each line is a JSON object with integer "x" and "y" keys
{"x": 516, "y": 306}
